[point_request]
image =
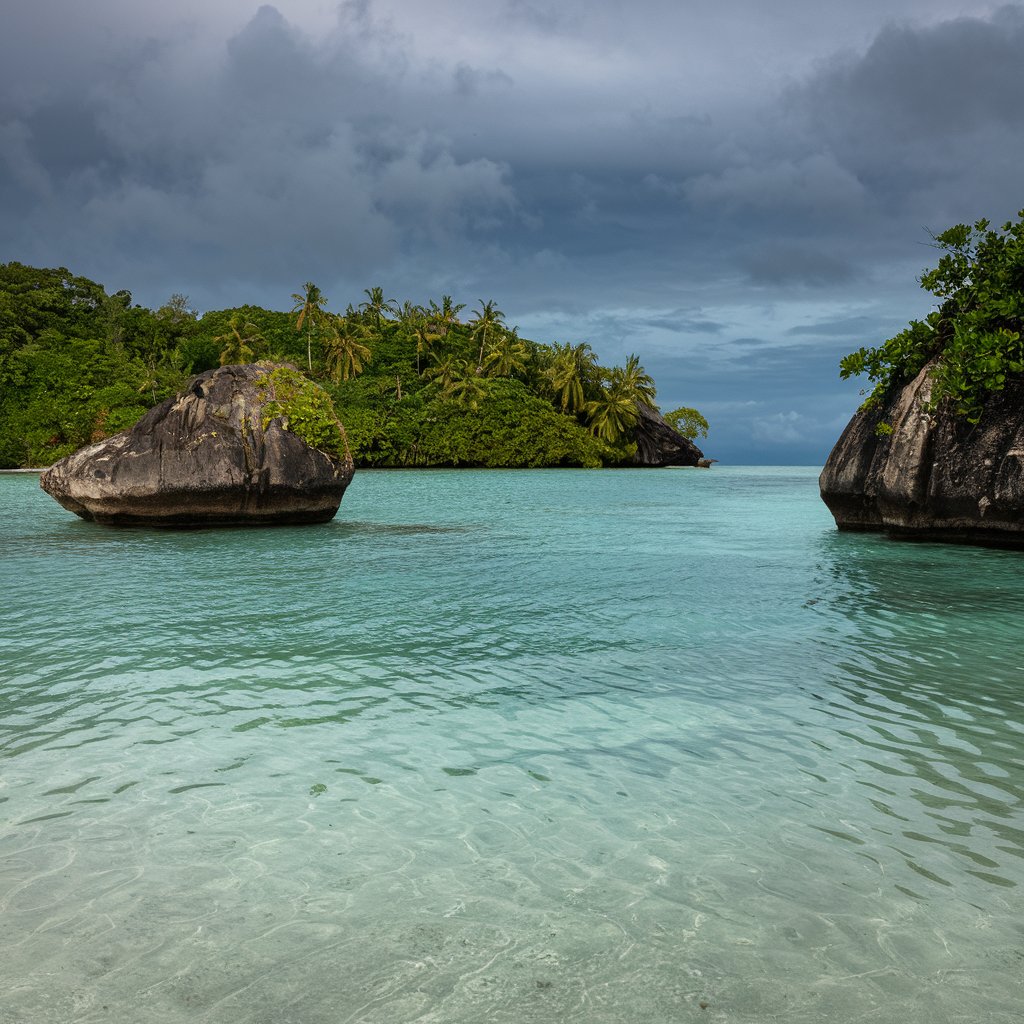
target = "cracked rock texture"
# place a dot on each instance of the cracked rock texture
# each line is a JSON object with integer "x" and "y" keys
{"x": 657, "y": 444}
{"x": 936, "y": 477}
{"x": 204, "y": 458}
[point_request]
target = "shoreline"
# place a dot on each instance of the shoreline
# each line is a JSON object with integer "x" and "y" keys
{"x": 376, "y": 469}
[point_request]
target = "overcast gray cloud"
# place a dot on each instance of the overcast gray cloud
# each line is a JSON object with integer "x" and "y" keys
{"x": 738, "y": 191}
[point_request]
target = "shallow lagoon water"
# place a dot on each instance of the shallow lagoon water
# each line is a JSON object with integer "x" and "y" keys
{"x": 597, "y": 746}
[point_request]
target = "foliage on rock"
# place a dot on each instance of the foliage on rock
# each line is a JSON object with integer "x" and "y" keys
{"x": 305, "y": 409}
{"x": 974, "y": 337}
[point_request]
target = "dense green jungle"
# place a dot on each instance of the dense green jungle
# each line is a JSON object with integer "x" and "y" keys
{"x": 414, "y": 385}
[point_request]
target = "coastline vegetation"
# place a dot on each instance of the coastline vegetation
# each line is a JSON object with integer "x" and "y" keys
{"x": 974, "y": 336}
{"x": 414, "y": 385}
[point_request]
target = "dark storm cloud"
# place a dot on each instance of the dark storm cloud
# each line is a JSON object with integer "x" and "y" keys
{"x": 269, "y": 64}
{"x": 286, "y": 157}
{"x": 921, "y": 130}
{"x": 929, "y": 120}
{"x": 912, "y": 84}
{"x": 786, "y": 262}
{"x": 662, "y": 178}
{"x": 65, "y": 136}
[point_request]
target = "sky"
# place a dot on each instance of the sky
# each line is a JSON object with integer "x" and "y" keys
{"x": 740, "y": 192}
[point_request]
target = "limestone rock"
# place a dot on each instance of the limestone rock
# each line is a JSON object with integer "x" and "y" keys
{"x": 657, "y": 444}
{"x": 936, "y": 477}
{"x": 219, "y": 453}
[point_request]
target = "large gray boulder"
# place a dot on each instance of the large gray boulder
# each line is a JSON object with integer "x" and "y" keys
{"x": 657, "y": 444}
{"x": 225, "y": 451}
{"x": 935, "y": 477}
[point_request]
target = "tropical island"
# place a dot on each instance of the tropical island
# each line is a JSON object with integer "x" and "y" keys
{"x": 415, "y": 385}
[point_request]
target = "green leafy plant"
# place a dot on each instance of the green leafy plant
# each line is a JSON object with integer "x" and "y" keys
{"x": 306, "y": 410}
{"x": 975, "y": 334}
{"x": 688, "y": 422}
{"x": 309, "y": 312}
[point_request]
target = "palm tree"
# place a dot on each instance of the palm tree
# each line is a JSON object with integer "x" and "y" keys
{"x": 446, "y": 315}
{"x": 425, "y": 337}
{"x": 309, "y": 305}
{"x": 376, "y": 305}
{"x": 345, "y": 352}
{"x": 571, "y": 370}
{"x": 413, "y": 322}
{"x": 467, "y": 390}
{"x": 488, "y": 317}
{"x": 638, "y": 381}
{"x": 238, "y": 341}
{"x": 409, "y": 312}
{"x": 508, "y": 355}
{"x": 614, "y": 411}
{"x": 457, "y": 379}
{"x": 447, "y": 370}
{"x": 564, "y": 377}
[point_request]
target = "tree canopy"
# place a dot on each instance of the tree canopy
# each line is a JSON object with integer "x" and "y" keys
{"x": 974, "y": 336}
{"x": 415, "y": 384}
{"x": 689, "y": 422}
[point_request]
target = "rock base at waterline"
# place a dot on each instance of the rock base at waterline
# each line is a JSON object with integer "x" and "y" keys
{"x": 935, "y": 477}
{"x": 220, "y": 453}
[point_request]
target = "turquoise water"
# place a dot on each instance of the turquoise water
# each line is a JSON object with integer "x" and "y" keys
{"x": 596, "y": 746}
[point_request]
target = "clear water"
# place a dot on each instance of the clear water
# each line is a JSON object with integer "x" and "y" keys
{"x": 597, "y": 746}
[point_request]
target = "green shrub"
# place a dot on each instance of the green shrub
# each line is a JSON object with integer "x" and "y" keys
{"x": 306, "y": 410}
{"x": 974, "y": 335}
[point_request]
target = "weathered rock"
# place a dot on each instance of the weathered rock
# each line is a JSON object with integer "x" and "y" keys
{"x": 657, "y": 444}
{"x": 936, "y": 477}
{"x": 219, "y": 453}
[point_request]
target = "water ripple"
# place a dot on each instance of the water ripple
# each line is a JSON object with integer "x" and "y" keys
{"x": 514, "y": 747}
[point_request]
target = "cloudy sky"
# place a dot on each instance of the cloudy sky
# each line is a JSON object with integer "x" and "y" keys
{"x": 740, "y": 191}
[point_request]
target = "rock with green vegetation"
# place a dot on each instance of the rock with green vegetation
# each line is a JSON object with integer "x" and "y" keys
{"x": 931, "y": 474}
{"x": 937, "y": 450}
{"x": 659, "y": 444}
{"x": 239, "y": 445}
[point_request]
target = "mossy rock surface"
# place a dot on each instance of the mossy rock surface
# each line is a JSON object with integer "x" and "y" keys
{"x": 931, "y": 474}
{"x": 302, "y": 407}
{"x": 240, "y": 445}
